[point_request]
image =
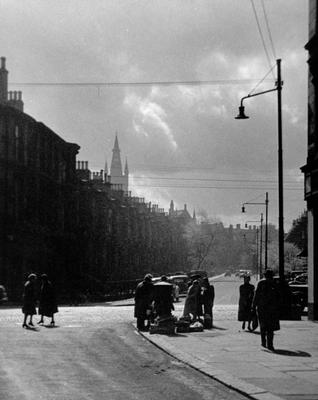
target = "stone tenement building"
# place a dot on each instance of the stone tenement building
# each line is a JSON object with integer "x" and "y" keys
{"x": 84, "y": 229}
{"x": 37, "y": 178}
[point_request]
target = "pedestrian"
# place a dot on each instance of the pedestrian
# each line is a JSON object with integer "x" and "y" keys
{"x": 266, "y": 302}
{"x": 163, "y": 298}
{"x": 47, "y": 306}
{"x": 245, "y": 302}
{"x": 143, "y": 302}
{"x": 29, "y": 300}
{"x": 192, "y": 302}
{"x": 207, "y": 300}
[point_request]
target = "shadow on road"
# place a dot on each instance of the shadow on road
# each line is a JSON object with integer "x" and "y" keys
{"x": 219, "y": 328}
{"x": 291, "y": 353}
{"x": 50, "y": 326}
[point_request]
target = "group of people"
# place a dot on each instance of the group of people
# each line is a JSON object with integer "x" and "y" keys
{"x": 262, "y": 304}
{"x": 47, "y": 300}
{"x": 199, "y": 301}
{"x": 157, "y": 300}
{"x": 255, "y": 306}
{"x": 150, "y": 302}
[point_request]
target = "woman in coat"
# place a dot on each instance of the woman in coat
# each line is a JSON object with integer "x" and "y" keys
{"x": 29, "y": 300}
{"x": 245, "y": 302}
{"x": 47, "y": 306}
{"x": 192, "y": 302}
{"x": 266, "y": 303}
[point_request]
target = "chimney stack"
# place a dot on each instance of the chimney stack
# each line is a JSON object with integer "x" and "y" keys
{"x": 3, "y": 81}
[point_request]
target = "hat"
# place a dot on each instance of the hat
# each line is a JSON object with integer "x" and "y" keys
{"x": 268, "y": 273}
{"x": 31, "y": 276}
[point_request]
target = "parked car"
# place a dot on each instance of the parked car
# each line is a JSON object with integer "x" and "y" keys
{"x": 301, "y": 279}
{"x": 300, "y": 294}
{"x": 181, "y": 281}
{"x": 197, "y": 273}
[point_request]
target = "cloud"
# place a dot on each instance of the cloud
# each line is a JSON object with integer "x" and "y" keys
{"x": 150, "y": 117}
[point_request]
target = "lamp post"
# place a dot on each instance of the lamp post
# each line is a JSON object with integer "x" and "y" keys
{"x": 266, "y": 224}
{"x": 260, "y": 243}
{"x": 242, "y": 115}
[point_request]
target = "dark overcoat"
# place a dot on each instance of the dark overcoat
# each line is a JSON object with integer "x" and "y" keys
{"x": 207, "y": 299}
{"x": 266, "y": 302}
{"x": 29, "y": 298}
{"x": 47, "y": 306}
{"x": 245, "y": 301}
{"x": 143, "y": 298}
{"x": 163, "y": 298}
{"x": 192, "y": 302}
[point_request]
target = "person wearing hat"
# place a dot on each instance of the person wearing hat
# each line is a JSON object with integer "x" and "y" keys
{"x": 29, "y": 300}
{"x": 47, "y": 306}
{"x": 266, "y": 303}
{"x": 143, "y": 300}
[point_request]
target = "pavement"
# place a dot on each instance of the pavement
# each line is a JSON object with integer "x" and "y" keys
{"x": 235, "y": 357}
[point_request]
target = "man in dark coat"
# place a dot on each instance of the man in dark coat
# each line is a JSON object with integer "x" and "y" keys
{"x": 29, "y": 300}
{"x": 245, "y": 302}
{"x": 47, "y": 306}
{"x": 266, "y": 302}
{"x": 143, "y": 300}
{"x": 207, "y": 300}
{"x": 163, "y": 297}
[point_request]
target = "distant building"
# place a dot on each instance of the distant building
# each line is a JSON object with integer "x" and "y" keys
{"x": 310, "y": 170}
{"x": 118, "y": 179}
{"x": 12, "y": 99}
{"x": 182, "y": 216}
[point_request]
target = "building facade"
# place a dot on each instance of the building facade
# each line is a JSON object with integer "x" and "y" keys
{"x": 37, "y": 177}
{"x": 310, "y": 170}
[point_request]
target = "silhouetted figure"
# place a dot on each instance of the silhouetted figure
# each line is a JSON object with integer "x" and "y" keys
{"x": 207, "y": 300}
{"x": 245, "y": 302}
{"x": 143, "y": 300}
{"x": 48, "y": 306}
{"x": 192, "y": 302}
{"x": 29, "y": 300}
{"x": 163, "y": 297}
{"x": 266, "y": 303}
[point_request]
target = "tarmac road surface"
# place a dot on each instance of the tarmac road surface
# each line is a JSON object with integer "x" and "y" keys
{"x": 93, "y": 353}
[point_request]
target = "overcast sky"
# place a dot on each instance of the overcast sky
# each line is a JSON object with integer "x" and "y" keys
{"x": 186, "y": 135}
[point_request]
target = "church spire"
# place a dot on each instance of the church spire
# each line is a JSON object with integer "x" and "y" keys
{"x": 116, "y": 172}
{"x": 116, "y": 166}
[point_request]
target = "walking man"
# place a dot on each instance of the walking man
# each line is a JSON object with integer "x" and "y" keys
{"x": 266, "y": 303}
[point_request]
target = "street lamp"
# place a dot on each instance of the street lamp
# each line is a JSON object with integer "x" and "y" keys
{"x": 266, "y": 224}
{"x": 242, "y": 115}
{"x": 260, "y": 244}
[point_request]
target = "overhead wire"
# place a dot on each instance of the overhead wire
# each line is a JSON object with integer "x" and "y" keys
{"x": 261, "y": 35}
{"x": 145, "y": 83}
{"x": 261, "y": 81}
{"x": 268, "y": 29}
{"x": 215, "y": 187}
{"x": 210, "y": 179}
